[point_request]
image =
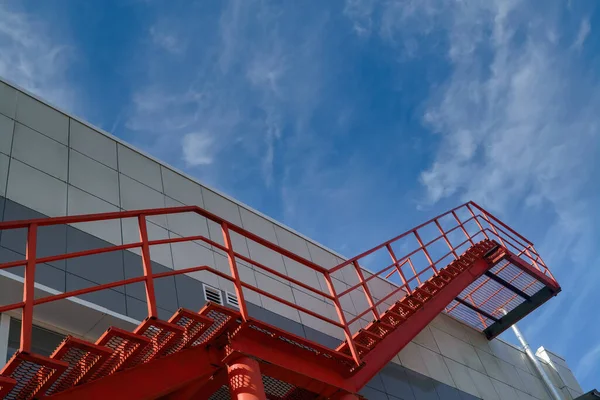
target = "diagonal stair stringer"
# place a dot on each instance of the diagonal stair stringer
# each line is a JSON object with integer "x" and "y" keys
{"x": 394, "y": 342}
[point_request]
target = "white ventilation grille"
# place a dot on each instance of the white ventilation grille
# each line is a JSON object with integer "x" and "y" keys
{"x": 232, "y": 299}
{"x": 212, "y": 294}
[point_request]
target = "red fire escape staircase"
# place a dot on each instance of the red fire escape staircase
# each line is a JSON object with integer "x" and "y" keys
{"x": 465, "y": 262}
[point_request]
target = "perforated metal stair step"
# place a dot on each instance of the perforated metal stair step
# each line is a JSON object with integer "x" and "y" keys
{"x": 164, "y": 338}
{"x": 82, "y": 358}
{"x": 126, "y": 346}
{"x": 31, "y": 372}
{"x": 194, "y": 325}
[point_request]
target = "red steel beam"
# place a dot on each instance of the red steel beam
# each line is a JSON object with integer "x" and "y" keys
{"x": 387, "y": 349}
{"x": 151, "y": 380}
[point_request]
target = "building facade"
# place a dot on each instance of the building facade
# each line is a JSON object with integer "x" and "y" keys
{"x": 54, "y": 164}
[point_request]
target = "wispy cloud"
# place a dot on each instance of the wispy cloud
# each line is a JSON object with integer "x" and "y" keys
{"x": 246, "y": 83}
{"x": 167, "y": 40}
{"x": 584, "y": 30}
{"x": 517, "y": 129}
{"x": 35, "y": 55}
{"x": 588, "y": 362}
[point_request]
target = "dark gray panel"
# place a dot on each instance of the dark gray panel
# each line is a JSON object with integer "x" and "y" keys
{"x": 138, "y": 309}
{"x": 276, "y": 320}
{"x": 373, "y": 394}
{"x": 45, "y": 274}
{"x": 98, "y": 268}
{"x": 376, "y": 383}
{"x": 447, "y": 392}
{"x": 467, "y": 396}
{"x": 164, "y": 288}
{"x": 396, "y": 382}
{"x": 51, "y": 240}
{"x": 107, "y": 298}
{"x": 321, "y": 338}
{"x": 49, "y": 276}
{"x": 189, "y": 293}
{"x": 422, "y": 386}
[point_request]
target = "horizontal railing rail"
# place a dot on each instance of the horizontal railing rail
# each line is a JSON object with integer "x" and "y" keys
{"x": 409, "y": 268}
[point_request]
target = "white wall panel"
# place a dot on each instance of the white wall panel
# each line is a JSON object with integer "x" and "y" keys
{"x": 425, "y": 339}
{"x": 280, "y": 290}
{"x": 6, "y": 134}
{"x": 93, "y": 177}
{"x": 80, "y": 202}
{"x": 139, "y": 167}
{"x": 436, "y": 367}
{"x": 136, "y": 196}
{"x": 292, "y": 242}
{"x": 189, "y": 255}
{"x": 181, "y": 188}
{"x": 505, "y": 391}
{"x": 42, "y": 192}
{"x": 40, "y": 152}
{"x": 186, "y": 224}
{"x": 268, "y": 258}
{"x": 42, "y": 118}
{"x": 411, "y": 357}
{"x": 258, "y": 225}
{"x": 457, "y": 350}
{"x": 484, "y": 385}
{"x": 4, "y": 161}
{"x": 533, "y": 385}
{"x": 321, "y": 256}
{"x": 93, "y": 144}
{"x": 8, "y": 100}
{"x": 462, "y": 378}
{"x": 221, "y": 207}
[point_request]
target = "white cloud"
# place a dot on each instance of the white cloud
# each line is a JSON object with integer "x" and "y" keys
{"x": 588, "y": 362}
{"x": 584, "y": 31}
{"x": 35, "y": 56}
{"x": 197, "y": 148}
{"x": 167, "y": 40}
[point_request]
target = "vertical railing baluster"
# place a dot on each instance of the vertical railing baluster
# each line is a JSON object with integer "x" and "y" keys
{"x": 429, "y": 259}
{"x": 399, "y": 268}
{"x": 239, "y": 290}
{"x": 478, "y": 223}
{"x": 446, "y": 239}
{"x": 342, "y": 318}
{"x": 368, "y": 295}
{"x": 147, "y": 264}
{"x": 462, "y": 227}
{"x": 29, "y": 288}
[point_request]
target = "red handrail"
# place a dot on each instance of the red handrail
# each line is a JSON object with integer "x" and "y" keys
{"x": 488, "y": 227}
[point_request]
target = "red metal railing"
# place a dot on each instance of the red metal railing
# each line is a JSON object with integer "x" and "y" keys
{"x": 458, "y": 229}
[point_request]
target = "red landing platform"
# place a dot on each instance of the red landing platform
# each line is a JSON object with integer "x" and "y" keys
{"x": 464, "y": 262}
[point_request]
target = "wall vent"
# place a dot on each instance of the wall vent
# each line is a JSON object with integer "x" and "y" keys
{"x": 212, "y": 294}
{"x": 232, "y": 299}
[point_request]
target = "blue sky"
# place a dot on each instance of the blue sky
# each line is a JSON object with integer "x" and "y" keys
{"x": 351, "y": 121}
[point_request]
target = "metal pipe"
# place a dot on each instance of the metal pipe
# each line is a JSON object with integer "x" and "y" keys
{"x": 536, "y": 363}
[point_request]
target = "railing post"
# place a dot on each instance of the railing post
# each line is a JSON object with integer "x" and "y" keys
{"x": 239, "y": 291}
{"x": 399, "y": 268}
{"x": 462, "y": 227}
{"x": 147, "y": 264}
{"x": 429, "y": 259}
{"x": 446, "y": 239}
{"x": 342, "y": 318}
{"x": 477, "y": 222}
{"x": 29, "y": 288}
{"x": 361, "y": 278}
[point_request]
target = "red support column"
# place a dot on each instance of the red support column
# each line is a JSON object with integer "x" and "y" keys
{"x": 245, "y": 380}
